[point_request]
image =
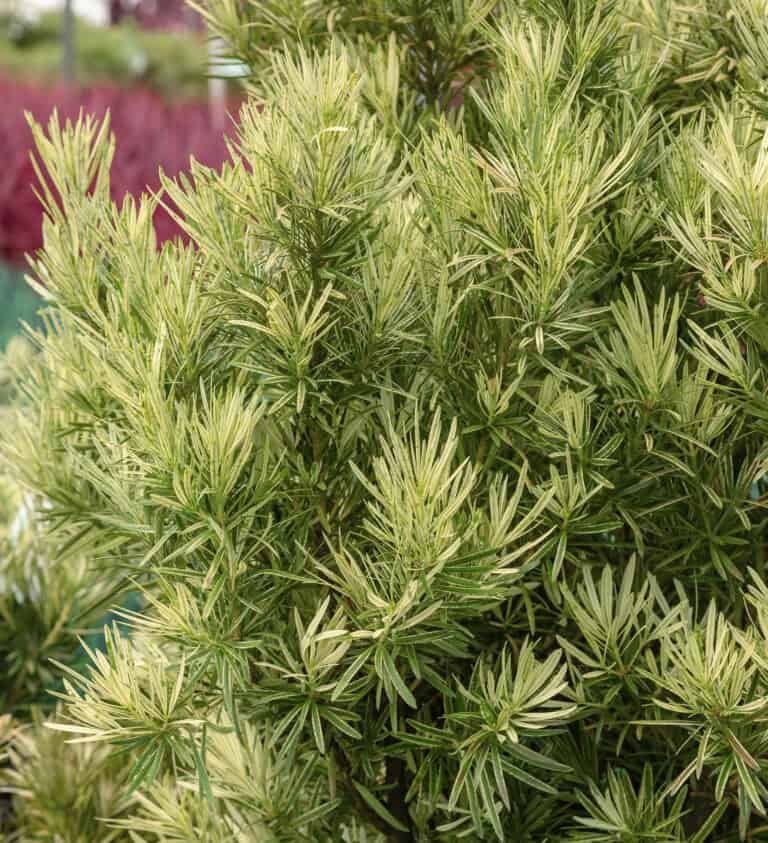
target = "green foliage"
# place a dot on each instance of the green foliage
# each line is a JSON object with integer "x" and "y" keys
{"x": 64, "y": 792}
{"x": 442, "y": 47}
{"x": 124, "y": 54}
{"x": 439, "y": 453}
{"x": 44, "y": 603}
{"x": 48, "y": 599}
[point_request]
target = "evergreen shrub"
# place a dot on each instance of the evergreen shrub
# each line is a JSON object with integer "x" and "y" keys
{"x": 439, "y": 451}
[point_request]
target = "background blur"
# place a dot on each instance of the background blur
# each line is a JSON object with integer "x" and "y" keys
{"x": 147, "y": 61}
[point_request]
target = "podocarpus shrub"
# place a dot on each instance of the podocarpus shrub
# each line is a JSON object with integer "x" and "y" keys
{"x": 439, "y": 451}
{"x": 45, "y": 603}
{"x": 48, "y": 599}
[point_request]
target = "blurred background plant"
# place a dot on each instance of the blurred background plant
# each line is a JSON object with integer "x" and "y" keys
{"x": 172, "y": 63}
{"x": 155, "y": 133}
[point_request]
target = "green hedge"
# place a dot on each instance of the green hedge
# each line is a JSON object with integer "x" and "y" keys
{"x": 172, "y": 63}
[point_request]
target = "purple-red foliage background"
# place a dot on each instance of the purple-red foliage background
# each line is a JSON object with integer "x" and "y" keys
{"x": 156, "y": 14}
{"x": 150, "y": 133}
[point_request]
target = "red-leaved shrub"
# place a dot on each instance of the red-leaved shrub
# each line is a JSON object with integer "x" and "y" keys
{"x": 156, "y": 14}
{"x": 151, "y": 133}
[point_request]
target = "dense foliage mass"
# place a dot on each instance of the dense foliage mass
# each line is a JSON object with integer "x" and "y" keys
{"x": 439, "y": 452}
{"x": 47, "y": 600}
